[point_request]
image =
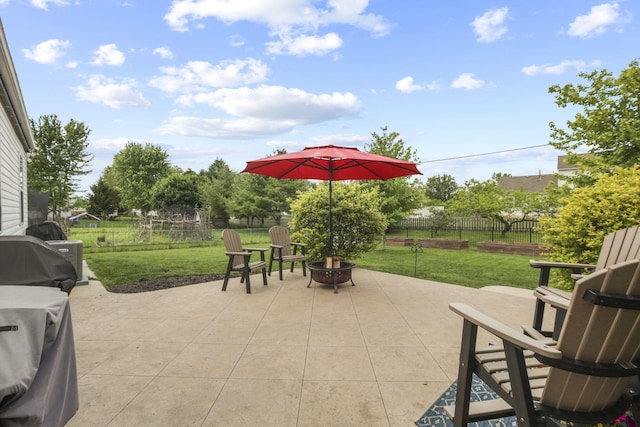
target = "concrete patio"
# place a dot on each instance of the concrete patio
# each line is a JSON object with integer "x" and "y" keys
{"x": 377, "y": 354}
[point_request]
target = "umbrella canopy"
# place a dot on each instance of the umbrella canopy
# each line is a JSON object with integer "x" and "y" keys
{"x": 331, "y": 163}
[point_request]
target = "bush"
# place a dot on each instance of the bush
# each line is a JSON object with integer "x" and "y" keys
{"x": 590, "y": 213}
{"x": 357, "y": 221}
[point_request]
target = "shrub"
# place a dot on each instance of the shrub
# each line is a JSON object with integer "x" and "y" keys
{"x": 357, "y": 221}
{"x": 590, "y": 213}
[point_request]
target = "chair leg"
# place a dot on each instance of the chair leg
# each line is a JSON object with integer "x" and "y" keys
{"x": 465, "y": 374}
{"x": 227, "y": 274}
{"x": 292, "y": 266}
{"x": 264, "y": 277}
{"x": 271, "y": 260}
{"x": 280, "y": 267}
{"x": 304, "y": 268}
{"x": 248, "y": 284}
{"x": 521, "y": 390}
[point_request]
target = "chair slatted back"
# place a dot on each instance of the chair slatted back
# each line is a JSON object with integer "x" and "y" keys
{"x": 596, "y": 334}
{"x": 620, "y": 246}
{"x": 232, "y": 243}
{"x": 279, "y": 235}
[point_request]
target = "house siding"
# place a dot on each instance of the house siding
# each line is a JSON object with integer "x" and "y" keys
{"x": 13, "y": 219}
{"x": 16, "y": 140}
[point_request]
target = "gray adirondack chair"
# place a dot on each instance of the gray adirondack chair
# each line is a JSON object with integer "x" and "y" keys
{"x": 284, "y": 250}
{"x": 589, "y": 375}
{"x": 622, "y": 245}
{"x": 240, "y": 259}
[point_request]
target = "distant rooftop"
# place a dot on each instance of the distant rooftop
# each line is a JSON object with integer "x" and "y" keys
{"x": 529, "y": 183}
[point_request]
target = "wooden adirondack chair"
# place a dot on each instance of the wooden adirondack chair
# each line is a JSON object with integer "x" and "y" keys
{"x": 622, "y": 245}
{"x": 589, "y": 375}
{"x": 284, "y": 250}
{"x": 240, "y": 259}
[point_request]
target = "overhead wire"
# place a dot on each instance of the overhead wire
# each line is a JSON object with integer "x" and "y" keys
{"x": 484, "y": 154}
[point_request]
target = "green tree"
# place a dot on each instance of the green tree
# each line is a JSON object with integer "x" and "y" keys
{"x": 590, "y": 213}
{"x": 59, "y": 159}
{"x": 216, "y": 189}
{"x": 488, "y": 200}
{"x": 441, "y": 188}
{"x": 357, "y": 220}
{"x": 176, "y": 191}
{"x": 399, "y": 196}
{"x": 249, "y": 200}
{"x": 104, "y": 199}
{"x": 608, "y": 124}
{"x": 136, "y": 169}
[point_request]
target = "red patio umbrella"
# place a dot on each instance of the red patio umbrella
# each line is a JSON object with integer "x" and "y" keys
{"x": 331, "y": 163}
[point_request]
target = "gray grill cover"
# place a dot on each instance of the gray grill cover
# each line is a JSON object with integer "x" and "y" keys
{"x": 27, "y": 260}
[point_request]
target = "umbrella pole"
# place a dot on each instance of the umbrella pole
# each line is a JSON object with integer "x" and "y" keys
{"x": 330, "y": 206}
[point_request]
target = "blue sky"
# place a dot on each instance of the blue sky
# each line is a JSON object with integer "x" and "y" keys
{"x": 236, "y": 79}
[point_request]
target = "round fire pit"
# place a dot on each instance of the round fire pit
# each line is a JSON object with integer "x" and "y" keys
{"x": 320, "y": 273}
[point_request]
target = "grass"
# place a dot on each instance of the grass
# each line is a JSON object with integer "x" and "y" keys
{"x": 462, "y": 267}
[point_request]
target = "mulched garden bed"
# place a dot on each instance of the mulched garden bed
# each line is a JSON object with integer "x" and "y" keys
{"x": 163, "y": 283}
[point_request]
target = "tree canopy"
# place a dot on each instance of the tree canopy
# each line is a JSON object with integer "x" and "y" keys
{"x": 59, "y": 159}
{"x": 104, "y": 199}
{"x": 399, "y": 196}
{"x": 176, "y": 191}
{"x": 488, "y": 200}
{"x": 440, "y": 188}
{"x": 607, "y": 123}
{"x": 136, "y": 169}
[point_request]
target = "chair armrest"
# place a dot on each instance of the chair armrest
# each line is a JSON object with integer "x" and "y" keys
{"x": 546, "y": 266}
{"x": 276, "y": 246}
{"x": 551, "y": 264}
{"x": 245, "y": 254}
{"x": 503, "y": 331}
{"x": 256, "y": 249}
{"x": 302, "y": 245}
{"x": 553, "y": 299}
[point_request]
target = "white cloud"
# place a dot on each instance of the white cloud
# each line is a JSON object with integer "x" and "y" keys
{"x": 202, "y": 75}
{"x": 108, "y": 54}
{"x": 467, "y": 81}
{"x": 280, "y": 14}
{"x": 103, "y": 90}
{"x": 305, "y": 45}
{"x": 44, "y": 4}
{"x": 560, "y": 68}
{"x": 278, "y": 103}
{"x": 407, "y": 85}
{"x": 108, "y": 145}
{"x": 164, "y": 52}
{"x": 236, "y": 40}
{"x": 350, "y": 140}
{"x": 47, "y": 52}
{"x": 247, "y": 128}
{"x": 596, "y": 21}
{"x": 293, "y": 22}
{"x": 491, "y": 26}
{"x": 260, "y": 112}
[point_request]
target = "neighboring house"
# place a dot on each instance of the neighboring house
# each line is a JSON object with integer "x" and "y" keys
{"x": 565, "y": 170}
{"x": 528, "y": 183}
{"x": 16, "y": 141}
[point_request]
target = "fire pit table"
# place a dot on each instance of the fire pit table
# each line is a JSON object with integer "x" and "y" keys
{"x": 320, "y": 273}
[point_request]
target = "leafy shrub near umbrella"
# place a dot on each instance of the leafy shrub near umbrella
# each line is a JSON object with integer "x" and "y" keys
{"x": 357, "y": 221}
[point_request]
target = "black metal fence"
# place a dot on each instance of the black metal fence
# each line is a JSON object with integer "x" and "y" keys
{"x": 471, "y": 229}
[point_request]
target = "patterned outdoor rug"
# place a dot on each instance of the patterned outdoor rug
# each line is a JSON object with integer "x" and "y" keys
{"x": 435, "y": 415}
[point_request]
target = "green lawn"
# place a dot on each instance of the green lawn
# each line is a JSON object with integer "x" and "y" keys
{"x": 461, "y": 267}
